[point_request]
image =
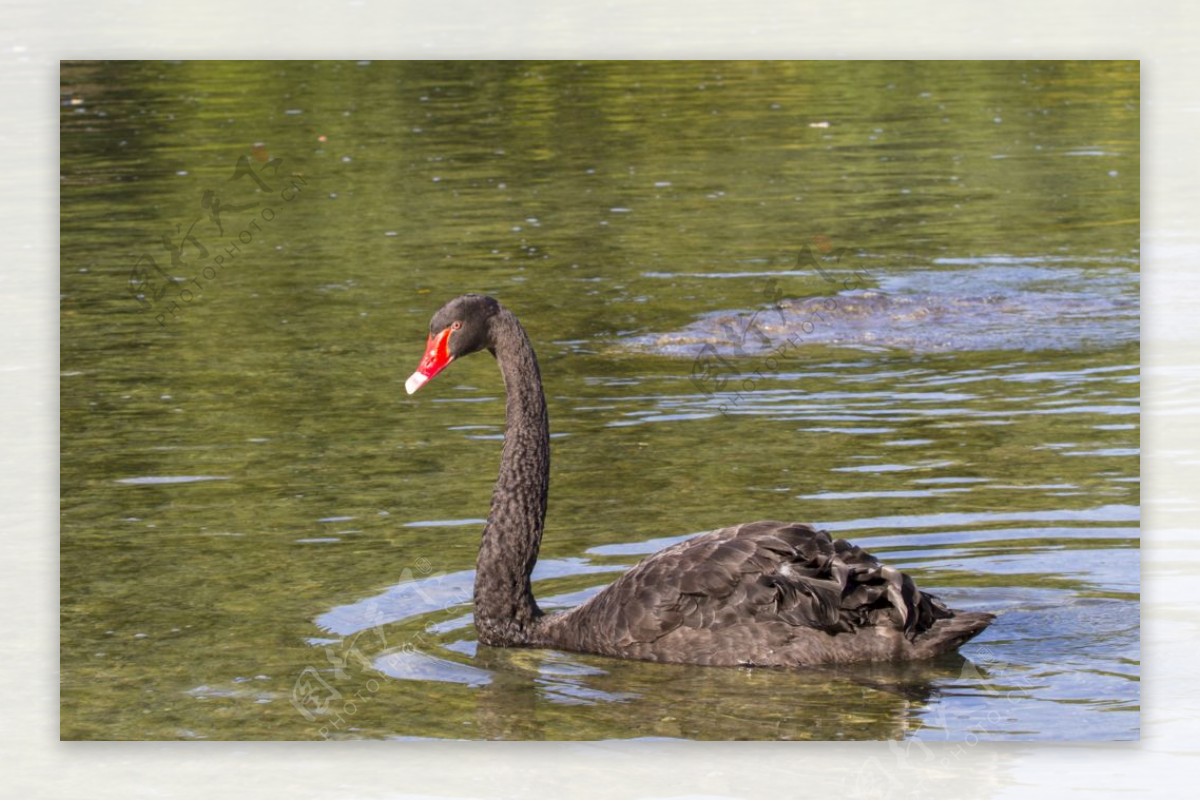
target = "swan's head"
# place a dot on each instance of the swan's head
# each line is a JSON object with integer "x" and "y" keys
{"x": 459, "y": 328}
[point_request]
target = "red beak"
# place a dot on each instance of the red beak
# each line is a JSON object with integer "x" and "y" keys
{"x": 437, "y": 356}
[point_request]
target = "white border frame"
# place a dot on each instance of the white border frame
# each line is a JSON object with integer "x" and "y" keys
{"x": 34, "y": 37}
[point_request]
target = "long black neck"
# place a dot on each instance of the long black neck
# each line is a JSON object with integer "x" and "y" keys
{"x": 505, "y": 610}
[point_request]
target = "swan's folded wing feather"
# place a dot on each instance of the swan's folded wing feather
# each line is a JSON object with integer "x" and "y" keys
{"x": 769, "y": 572}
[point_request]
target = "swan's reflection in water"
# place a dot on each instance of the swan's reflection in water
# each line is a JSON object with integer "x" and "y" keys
{"x": 690, "y": 702}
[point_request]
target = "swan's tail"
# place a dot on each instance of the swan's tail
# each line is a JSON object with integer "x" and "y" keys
{"x": 949, "y": 633}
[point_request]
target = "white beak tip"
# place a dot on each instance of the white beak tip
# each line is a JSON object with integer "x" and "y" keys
{"x": 415, "y": 382}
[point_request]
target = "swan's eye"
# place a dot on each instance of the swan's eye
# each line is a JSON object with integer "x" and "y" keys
{"x": 455, "y": 325}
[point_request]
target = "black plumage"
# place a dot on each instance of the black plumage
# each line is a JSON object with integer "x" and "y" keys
{"x": 765, "y": 593}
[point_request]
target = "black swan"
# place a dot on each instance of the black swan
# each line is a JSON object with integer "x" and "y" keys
{"x": 766, "y": 593}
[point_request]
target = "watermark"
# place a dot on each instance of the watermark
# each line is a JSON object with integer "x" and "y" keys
{"x": 329, "y": 696}
{"x": 713, "y": 373}
{"x": 319, "y": 701}
{"x": 201, "y": 247}
{"x": 917, "y": 760}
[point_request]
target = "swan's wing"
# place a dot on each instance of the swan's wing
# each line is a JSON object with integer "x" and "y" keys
{"x": 768, "y": 572}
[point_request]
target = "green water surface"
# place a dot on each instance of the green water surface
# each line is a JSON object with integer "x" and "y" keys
{"x": 263, "y": 537}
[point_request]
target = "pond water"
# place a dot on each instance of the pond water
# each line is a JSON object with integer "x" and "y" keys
{"x": 895, "y": 300}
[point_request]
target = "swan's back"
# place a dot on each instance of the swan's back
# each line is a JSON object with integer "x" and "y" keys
{"x": 766, "y": 593}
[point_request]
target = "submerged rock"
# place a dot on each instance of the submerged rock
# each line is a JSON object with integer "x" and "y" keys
{"x": 990, "y": 308}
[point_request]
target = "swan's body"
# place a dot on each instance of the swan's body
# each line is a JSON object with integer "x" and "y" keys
{"x": 766, "y": 593}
